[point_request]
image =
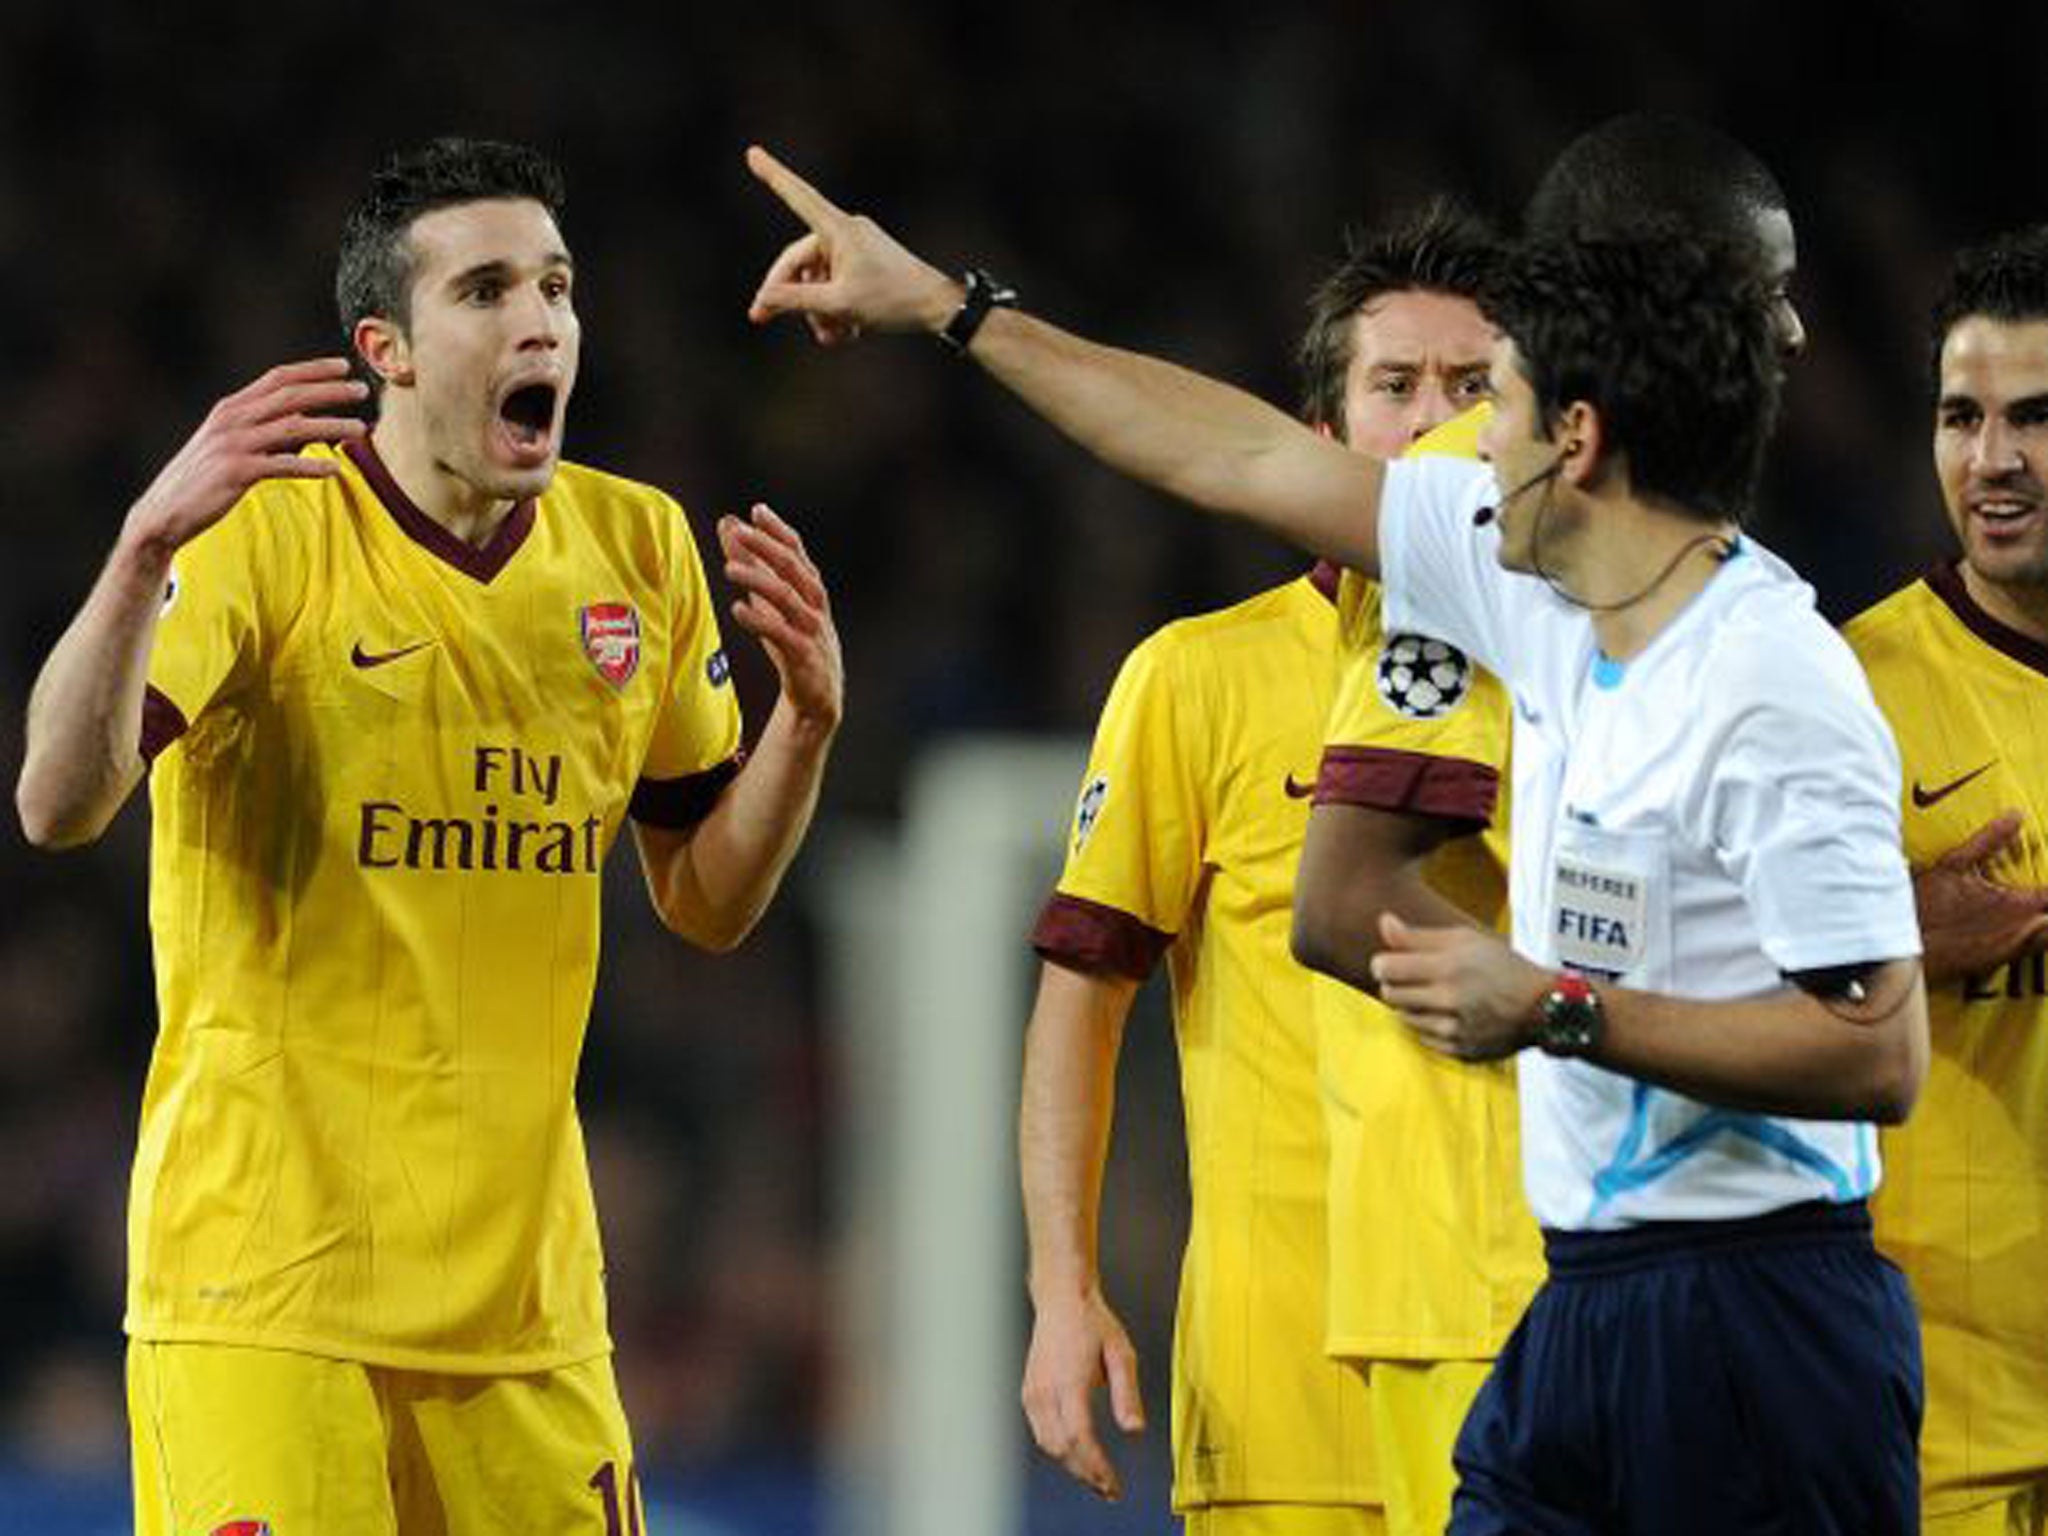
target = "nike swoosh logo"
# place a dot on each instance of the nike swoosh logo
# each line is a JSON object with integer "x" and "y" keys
{"x": 1297, "y": 790}
{"x": 364, "y": 660}
{"x": 1923, "y": 798}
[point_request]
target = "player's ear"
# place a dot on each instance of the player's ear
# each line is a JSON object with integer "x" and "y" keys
{"x": 383, "y": 347}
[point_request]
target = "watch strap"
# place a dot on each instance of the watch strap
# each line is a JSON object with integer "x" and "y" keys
{"x": 984, "y": 293}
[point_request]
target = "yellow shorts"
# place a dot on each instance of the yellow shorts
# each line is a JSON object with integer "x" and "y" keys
{"x": 1418, "y": 1407}
{"x": 2020, "y": 1513}
{"x": 249, "y": 1442}
{"x": 1284, "y": 1520}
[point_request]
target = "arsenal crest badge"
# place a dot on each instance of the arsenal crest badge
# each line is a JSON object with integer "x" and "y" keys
{"x": 611, "y": 639}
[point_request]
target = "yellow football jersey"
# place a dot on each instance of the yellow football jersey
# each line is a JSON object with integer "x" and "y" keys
{"x": 387, "y": 769}
{"x": 1433, "y": 1252}
{"x": 1964, "y": 1203}
{"x": 1185, "y": 843}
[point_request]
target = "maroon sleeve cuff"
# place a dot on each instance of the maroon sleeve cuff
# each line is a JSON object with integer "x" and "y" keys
{"x": 1384, "y": 779}
{"x": 162, "y": 723}
{"x": 1087, "y": 936}
{"x": 679, "y": 804}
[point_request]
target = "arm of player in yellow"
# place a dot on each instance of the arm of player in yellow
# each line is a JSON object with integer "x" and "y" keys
{"x": 84, "y": 752}
{"x": 1063, "y": 1120}
{"x": 1205, "y": 442}
{"x": 1465, "y": 993}
{"x": 1357, "y": 862}
{"x": 712, "y": 883}
{"x": 1969, "y": 922}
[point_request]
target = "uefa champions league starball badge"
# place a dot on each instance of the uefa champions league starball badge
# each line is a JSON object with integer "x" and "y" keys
{"x": 1421, "y": 678}
{"x": 1089, "y": 809}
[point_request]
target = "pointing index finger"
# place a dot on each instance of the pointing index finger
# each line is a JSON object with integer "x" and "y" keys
{"x": 802, "y": 199}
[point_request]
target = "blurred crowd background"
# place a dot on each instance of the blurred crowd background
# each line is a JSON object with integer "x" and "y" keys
{"x": 172, "y": 181}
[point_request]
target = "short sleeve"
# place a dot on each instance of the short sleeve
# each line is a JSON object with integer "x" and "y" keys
{"x": 1441, "y": 573}
{"x": 221, "y": 617}
{"x": 695, "y": 748}
{"x": 1803, "y": 810}
{"x": 1134, "y": 860}
{"x": 1415, "y": 725}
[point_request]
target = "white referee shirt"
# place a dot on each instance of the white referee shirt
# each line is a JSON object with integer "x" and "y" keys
{"x": 1718, "y": 810}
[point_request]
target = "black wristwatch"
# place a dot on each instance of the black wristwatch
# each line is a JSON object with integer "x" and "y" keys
{"x": 1568, "y": 1017}
{"x": 984, "y": 293}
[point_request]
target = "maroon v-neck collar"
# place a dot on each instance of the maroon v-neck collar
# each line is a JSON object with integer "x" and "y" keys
{"x": 1947, "y": 582}
{"x": 479, "y": 562}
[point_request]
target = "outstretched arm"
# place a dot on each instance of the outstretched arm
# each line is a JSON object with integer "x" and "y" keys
{"x": 1467, "y": 994}
{"x": 1190, "y": 436}
{"x": 85, "y": 714}
{"x": 712, "y": 883}
{"x": 1077, "y": 1343}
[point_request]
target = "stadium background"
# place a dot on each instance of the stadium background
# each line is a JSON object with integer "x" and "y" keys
{"x": 171, "y": 184}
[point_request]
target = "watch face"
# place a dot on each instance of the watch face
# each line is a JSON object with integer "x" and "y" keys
{"x": 1570, "y": 1021}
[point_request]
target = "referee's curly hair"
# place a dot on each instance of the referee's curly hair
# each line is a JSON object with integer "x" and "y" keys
{"x": 1670, "y": 338}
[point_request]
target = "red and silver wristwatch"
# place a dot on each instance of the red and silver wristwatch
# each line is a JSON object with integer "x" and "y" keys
{"x": 1568, "y": 1017}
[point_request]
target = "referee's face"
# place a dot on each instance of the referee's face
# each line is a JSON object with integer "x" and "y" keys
{"x": 1525, "y": 462}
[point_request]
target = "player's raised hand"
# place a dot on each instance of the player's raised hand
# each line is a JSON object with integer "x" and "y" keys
{"x": 1463, "y": 991}
{"x": 1969, "y": 922}
{"x": 1078, "y": 1346}
{"x": 254, "y": 434}
{"x": 784, "y": 605}
{"x": 848, "y": 273}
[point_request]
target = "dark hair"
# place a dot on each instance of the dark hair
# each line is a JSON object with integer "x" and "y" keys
{"x": 1440, "y": 248}
{"x": 1669, "y": 338}
{"x": 1649, "y": 165}
{"x": 374, "y": 273}
{"x": 2005, "y": 278}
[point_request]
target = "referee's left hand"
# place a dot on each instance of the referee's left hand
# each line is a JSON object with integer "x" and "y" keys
{"x": 1463, "y": 991}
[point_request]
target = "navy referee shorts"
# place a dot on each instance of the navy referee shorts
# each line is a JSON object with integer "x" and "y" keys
{"x": 1718, "y": 1378}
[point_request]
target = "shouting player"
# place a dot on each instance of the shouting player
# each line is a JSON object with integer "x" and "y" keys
{"x": 397, "y": 690}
